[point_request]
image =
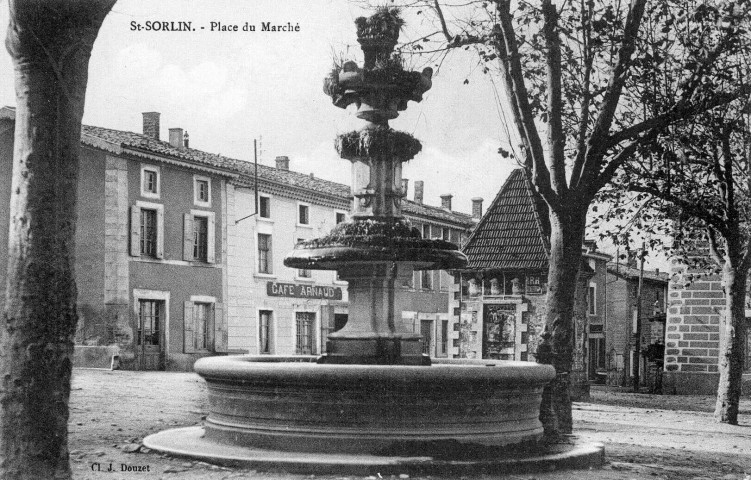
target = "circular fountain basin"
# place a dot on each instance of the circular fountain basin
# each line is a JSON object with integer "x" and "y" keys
{"x": 455, "y": 416}
{"x": 281, "y": 403}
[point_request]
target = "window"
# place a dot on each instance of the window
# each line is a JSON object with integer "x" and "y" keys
{"x": 202, "y": 191}
{"x": 426, "y": 279}
{"x": 148, "y": 233}
{"x": 444, "y": 337}
{"x": 264, "y": 207}
{"x": 302, "y": 272}
{"x": 409, "y": 282}
{"x": 340, "y": 217}
{"x": 147, "y": 230}
{"x": 201, "y": 313}
{"x": 200, "y": 238}
{"x": 426, "y": 231}
{"x": 592, "y": 299}
{"x": 305, "y": 322}
{"x": 303, "y": 214}
{"x": 264, "y": 253}
{"x": 265, "y": 319}
{"x": 150, "y": 181}
{"x": 446, "y": 234}
{"x": 204, "y": 325}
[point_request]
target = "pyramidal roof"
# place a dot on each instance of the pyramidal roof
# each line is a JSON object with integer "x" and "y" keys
{"x": 511, "y": 234}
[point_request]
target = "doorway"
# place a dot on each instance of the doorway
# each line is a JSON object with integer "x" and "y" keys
{"x": 150, "y": 335}
{"x": 426, "y": 331}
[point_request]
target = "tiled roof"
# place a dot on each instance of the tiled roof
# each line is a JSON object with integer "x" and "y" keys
{"x": 509, "y": 236}
{"x": 420, "y": 209}
{"x": 632, "y": 273}
{"x": 319, "y": 186}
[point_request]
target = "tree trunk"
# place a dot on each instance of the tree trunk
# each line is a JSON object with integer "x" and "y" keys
{"x": 566, "y": 236}
{"x": 50, "y": 43}
{"x": 732, "y": 343}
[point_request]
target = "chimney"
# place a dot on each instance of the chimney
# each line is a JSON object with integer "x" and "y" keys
{"x": 186, "y": 140}
{"x": 405, "y": 186}
{"x": 446, "y": 201}
{"x": 419, "y": 185}
{"x": 176, "y": 137}
{"x": 151, "y": 124}
{"x": 282, "y": 163}
{"x": 477, "y": 208}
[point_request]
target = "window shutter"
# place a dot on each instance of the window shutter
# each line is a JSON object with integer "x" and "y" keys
{"x": 270, "y": 254}
{"x": 220, "y": 329}
{"x": 210, "y": 241}
{"x": 188, "y": 237}
{"x": 190, "y": 344}
{"x": 327, "y": 323}
{"x": 135, "y": 231}
{"x": 160, "y": 233}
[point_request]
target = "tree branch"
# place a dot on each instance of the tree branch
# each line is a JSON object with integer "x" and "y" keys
{"x": 607, "y": 173}
{"x": 516, "y": 90}
{"x": 691, "y": 208}
{"x": 596, "y": 144}
{"x": 456, "y": 40}
{"x": 556, "y": 140}
{"x": 587, "y": 95}
{"x": 713, "y": 251}
{"x": 679, "y": 112}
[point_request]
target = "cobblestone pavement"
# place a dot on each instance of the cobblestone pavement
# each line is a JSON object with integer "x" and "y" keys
{"x": 646, "y": 436}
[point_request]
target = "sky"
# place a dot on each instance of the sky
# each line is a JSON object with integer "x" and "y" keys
{"x": 228, "y": 88}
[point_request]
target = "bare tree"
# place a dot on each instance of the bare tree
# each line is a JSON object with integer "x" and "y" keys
{"x": 50, "y": 43}
{"x": 578, "y": 70}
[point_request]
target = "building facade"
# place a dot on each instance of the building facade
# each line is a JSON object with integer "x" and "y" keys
{"x": 179, "y": 253}
{"x": 150, "y": 254}
{"x": 498, "y": 302}
{"x": 622, "y": 356}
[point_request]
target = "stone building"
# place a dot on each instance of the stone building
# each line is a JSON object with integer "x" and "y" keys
{"x": 150, "y": 254}
{"x": 622, "y": 287}
{"x": 695, "y": 303}
{"x": 174, "y": 261}
{"x": 498, "y": 301}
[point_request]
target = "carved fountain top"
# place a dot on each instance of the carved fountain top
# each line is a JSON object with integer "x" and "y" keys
{"x": 382, "y": 87}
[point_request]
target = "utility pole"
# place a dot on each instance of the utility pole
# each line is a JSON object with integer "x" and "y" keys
{"x": 637, "y": 354}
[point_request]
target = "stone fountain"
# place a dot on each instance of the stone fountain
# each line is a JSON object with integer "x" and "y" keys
{"x": 373, "y": 402}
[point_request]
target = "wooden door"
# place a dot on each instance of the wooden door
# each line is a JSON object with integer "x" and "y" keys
{"x": 426, "y": 330}
{"x": 150, "y": 338}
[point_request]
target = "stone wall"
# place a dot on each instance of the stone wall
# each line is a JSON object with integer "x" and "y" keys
{"x": 692, "y": 337}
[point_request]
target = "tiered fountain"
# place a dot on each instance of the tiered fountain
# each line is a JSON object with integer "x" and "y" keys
{"x": 373, "y": 402}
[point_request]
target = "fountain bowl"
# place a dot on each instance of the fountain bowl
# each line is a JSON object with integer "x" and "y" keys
{"x": 291, "y": 413}
{"x": 281, "y": 403}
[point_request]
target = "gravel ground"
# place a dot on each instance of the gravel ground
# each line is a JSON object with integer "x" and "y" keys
{"x": 646, "y": 436}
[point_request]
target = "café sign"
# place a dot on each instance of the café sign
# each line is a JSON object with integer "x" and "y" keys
{"x": 299, "y": 290}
